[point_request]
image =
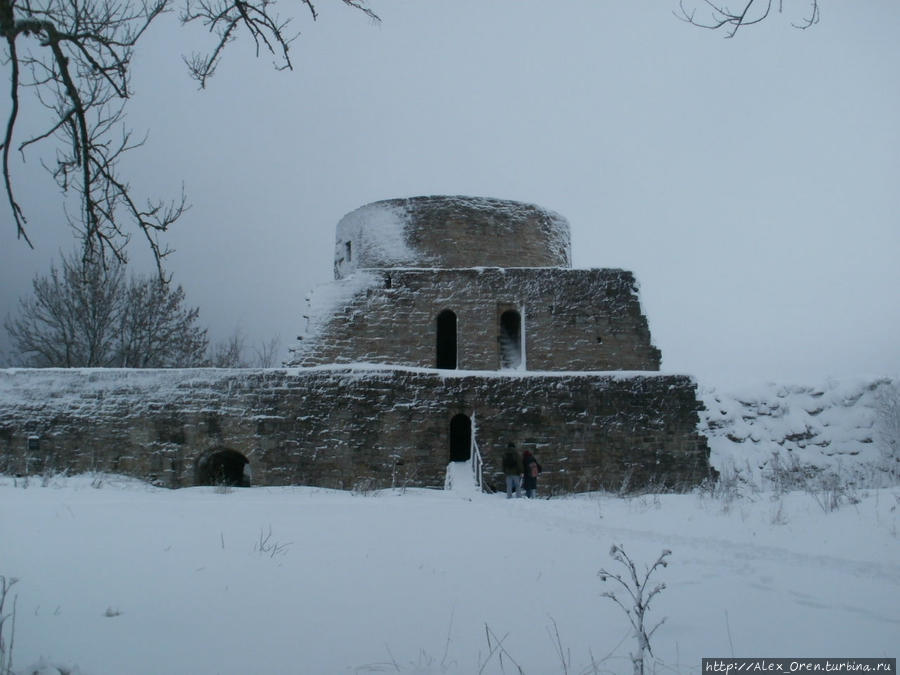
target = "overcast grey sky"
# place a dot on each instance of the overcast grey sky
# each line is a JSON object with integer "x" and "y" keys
{"x": 752, "y": 184}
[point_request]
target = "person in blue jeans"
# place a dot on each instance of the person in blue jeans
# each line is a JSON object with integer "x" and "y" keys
{"x": 530, "y": 470}
{"x": 512, "y": 469}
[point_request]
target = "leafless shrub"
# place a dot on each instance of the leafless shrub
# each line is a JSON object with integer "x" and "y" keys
{"x": 229, "y": 353}
{"x": 401, "y": 474}
{"x": 887, "y": 424}
{"x": 266, "y": 354}
{"x": 788, "y": 474}
{"x": 365, "y": 487}
{"x": 626, "y": 482}
{"x": 779, "y": 517}
{"x": 223, "y": 488}
{"x": 7, "y": 624}
{"x": 564, "y": 654}
{"x": 638, "y": 603}
{"x": 832, "y": 490}
{"x": 496, "y": 649}
{"x": 424, "y": 663}
{"x": 233, "y": 352}
{"x": 266, "y": 546}
{"x": 91, "y": 314}
{"x": 731, "y": 484}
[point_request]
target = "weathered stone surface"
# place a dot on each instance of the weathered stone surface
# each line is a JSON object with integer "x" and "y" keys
{"x": 477, "y": 329}
{"x": 574, "y": 320}
{"x": 345, "y": 427}
{"x": 450, "y": 232}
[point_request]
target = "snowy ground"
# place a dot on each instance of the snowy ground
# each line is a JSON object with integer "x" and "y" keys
{"x": 120, "y": 578}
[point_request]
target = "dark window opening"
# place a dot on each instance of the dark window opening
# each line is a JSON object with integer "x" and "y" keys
{"x": 446, "y": 340}
{"x": 510, "y": 339}
{"x": 460, "y": 438}
{"x": 599, "y": 340}
{"x": 388, "y": 281}
{"x": 349, "y": 251}
{"x": 223, "y": 467}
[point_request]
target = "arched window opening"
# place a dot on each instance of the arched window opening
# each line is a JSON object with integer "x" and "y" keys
{"x": 446, "y": 340}
{"x": 223, "y": 467}
{"x": 510, "y": 340}
{"x": 460, "y": 438}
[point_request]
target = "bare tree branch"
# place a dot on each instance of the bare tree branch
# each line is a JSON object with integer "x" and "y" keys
{"x": 18, "y": 215}
{"x": 811, "y": 18}
{"x": 258, "y": 17}
{"x": 74, "y": 57}
{"x": 719, "y": 16}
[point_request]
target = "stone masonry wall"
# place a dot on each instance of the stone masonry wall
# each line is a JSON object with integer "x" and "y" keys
{"x": 451, "y": 231}
{"x": 345, "y": 427}
{"x": 575, "y": 320}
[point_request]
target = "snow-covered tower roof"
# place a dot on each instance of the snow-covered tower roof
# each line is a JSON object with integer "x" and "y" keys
{"x": 450, "y": 232}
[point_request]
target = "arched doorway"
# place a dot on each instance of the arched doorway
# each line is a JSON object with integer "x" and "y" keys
{"x": 510, "y": 340}
{"x": 460, "y": 438}
{"x": 223, "y": 467}
{"x": 446, "y": 339}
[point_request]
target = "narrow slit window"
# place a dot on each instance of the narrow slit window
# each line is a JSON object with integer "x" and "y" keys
{"x": 446, "y": 340}
{"x": 510, "y": 340}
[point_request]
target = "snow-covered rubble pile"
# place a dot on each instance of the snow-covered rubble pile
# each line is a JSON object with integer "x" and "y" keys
{"x": 847, "y": 427}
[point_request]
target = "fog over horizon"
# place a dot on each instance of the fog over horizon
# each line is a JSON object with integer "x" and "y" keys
{"x": 751, "y": 184}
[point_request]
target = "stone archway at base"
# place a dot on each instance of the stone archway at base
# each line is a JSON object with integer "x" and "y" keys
{"x": 222, "y": 467}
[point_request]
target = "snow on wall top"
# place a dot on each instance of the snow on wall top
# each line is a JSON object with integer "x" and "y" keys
{"x": 450, "y": 232}
{"x": 91, "y": 392}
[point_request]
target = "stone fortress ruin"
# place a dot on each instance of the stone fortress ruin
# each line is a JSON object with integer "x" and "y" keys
{"x": 454, "y": 327}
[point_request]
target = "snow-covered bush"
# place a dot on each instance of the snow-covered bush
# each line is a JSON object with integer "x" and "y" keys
{"x": 640, "y": 597}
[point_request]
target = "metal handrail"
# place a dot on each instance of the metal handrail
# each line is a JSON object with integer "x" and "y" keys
{"x": 477, "y": 461}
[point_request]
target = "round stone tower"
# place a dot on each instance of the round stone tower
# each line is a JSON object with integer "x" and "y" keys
{"x": 450, "y": 233}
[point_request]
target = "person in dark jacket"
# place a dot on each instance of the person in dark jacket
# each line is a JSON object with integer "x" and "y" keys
{"x": 512, "y": 469}
{"x": 531, "y": 468}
